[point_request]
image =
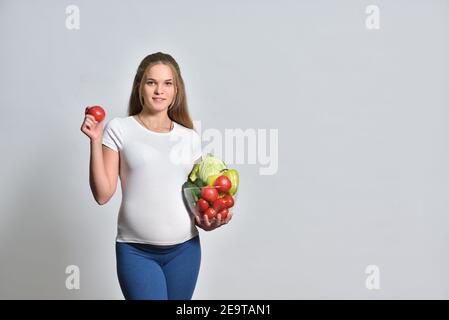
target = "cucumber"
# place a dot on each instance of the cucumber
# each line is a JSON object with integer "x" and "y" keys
{"x": 194, "y": 195}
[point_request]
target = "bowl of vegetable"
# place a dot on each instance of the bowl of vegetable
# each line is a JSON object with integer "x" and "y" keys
{"x": 208, "y": 201}
{"x": 211, "y": 189}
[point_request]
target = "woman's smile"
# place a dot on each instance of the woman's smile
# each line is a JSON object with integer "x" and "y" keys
{"x": 158, "y": 100}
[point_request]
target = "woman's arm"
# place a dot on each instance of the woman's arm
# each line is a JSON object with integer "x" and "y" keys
{"x": 104, "y": 162}
{"x": 104, "y": 169}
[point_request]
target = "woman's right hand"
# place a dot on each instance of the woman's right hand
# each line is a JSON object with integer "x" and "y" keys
{"x": 91, "y": 127}
{"x": 207, "y": 225}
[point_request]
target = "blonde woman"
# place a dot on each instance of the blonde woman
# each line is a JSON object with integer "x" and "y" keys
{"x": 153, "y": 150}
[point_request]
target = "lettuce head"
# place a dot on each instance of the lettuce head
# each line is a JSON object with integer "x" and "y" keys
{"x": 209, "y": 166}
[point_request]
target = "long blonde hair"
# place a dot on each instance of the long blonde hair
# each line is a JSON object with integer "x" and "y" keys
{"x": 178, "y": 110}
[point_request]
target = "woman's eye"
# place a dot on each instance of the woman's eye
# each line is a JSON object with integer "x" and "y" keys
{"x": 151, "y": 82}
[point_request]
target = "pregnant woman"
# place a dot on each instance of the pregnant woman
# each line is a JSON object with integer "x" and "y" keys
{"x": 152, "y": 151}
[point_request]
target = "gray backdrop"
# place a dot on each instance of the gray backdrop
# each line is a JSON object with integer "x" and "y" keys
{"x": 362, "y": 156}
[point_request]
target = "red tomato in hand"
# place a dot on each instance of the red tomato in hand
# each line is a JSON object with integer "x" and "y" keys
{"x": 210, "y": 213}
{"x": 223, "y": 184}
{"x": 229, "y": 200}
{"x": 219, "y": 204}
{"x": 202, "y": 205}
{"x": 97, "y": 112}
{"x": 209, "y": 194}
{"x": 224, "y": 213}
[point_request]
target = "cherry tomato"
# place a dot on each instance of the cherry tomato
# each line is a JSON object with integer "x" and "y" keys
{"x": 224, "y": 213}
{"x": 209, "y": 194}
{"x": 219, "y": 204}
{"x": 202, "y": 205}
{"x": 210, "y": 213}
{"x": 229, "y": 200}
{"x": 97, "y": 112}
{"x": 223, "y": 184}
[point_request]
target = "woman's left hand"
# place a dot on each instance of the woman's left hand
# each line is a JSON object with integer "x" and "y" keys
{"x": 206, "y": 225}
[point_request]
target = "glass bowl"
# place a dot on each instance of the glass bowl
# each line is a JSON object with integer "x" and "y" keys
{"x": 191, "y": 195}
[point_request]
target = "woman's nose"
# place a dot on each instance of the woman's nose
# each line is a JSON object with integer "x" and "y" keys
{"x": 158, "y": 88}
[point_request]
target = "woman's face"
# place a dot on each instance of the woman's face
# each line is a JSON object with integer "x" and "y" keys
{"x": 159, "y": 88}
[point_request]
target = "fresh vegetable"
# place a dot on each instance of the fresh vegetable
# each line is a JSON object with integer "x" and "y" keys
{"x": 96, "y": 111}
{"x": 200, "y": 183}
{"x": 229, "y": 201}
{"x": 209, "y": 166}
{"x": 219, "y": 204}
{"x": 211, "y": 187}
{"x": 224, "y": 213}
{"x": 210, "y": 213}
{"x": 194, "y": 173}
{"x": 202, "y": 205}
{"x": 223, "y": 183}
{"x": 233, "y": 175}
{"x": 209, "y": 194}
{"x": 211, "y": 179}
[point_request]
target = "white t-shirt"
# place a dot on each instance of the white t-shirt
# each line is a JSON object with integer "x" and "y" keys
{"x": 153, "y": 167}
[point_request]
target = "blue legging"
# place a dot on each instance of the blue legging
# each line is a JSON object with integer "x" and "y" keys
{"x": 149, "y": 272}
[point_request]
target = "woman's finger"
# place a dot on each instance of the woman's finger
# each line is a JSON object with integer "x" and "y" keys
{"x": 229, "y": 217}
{"x": 91, "y": 117}
{"x": 206, "y": 221}
{"x": 91, "y": 120}
{"x": 218, "y": 220}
